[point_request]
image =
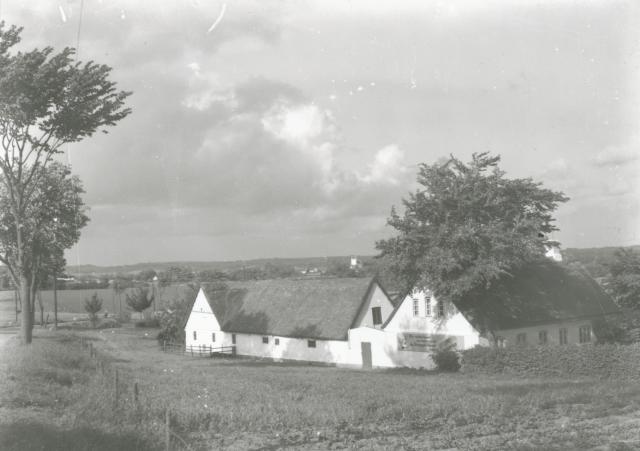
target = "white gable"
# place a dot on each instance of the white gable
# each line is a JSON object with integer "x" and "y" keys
{"x": 201, "y": 316}
{"x": 376, "y": 298}
{"x": 419, "y": 313}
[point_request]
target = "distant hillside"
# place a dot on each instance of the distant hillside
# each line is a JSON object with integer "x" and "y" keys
{"x": 303, "y": 262}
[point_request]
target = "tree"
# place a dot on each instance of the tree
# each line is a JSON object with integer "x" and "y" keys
{"x": 139, "y": 299}
{"x": 93, "y": 306}
{"x": 52, "y": 222}
{"x": 46, "y": 100}
{"x": 623, "y": 283}
{"x": 466, "y": 226}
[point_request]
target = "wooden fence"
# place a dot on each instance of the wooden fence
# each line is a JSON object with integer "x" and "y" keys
{"x": 198, "y": 351}
{"x": 126, "y": 393}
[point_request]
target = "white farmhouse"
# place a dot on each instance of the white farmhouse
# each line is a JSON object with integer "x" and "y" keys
{"x": 345, "y": 322}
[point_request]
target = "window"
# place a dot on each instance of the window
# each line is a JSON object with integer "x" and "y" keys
{"x": 311, "y": 343}
{"x": 521, "y": 339}
{"x": 377, "y": 315}
{"x": 276, "y": 342}
{"x": 563, "y": 336}
{"x": 542, "y": 337}
{"x": 265, "y": 339}
{"x": 501, "y": 342}
{"x": 195, "y": 335}
{"x": 427, "y": 304}
{"x": 440, "y": 309}
{"x": 585, "y": 334}
{"x": 233, "y": 339}
{"x": 416, "y": 307}
{"x": 213, "y": 336}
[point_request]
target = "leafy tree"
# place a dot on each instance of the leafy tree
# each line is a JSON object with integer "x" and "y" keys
{"x": 52, "y": 222}
{"x": 172, "y": 320}
{"x": 623, "y": 283}
{"x": 93, "y": 306}
{"x": 139, "y": 299}
{"x": 211, "y": 275}
{"x": 147, "y": 275}
{"x": 466, "y": 226}
{"x": 46, "y": 100}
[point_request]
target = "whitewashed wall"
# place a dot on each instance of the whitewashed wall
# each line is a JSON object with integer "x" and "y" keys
{"x": 203, "y": 322}
{"x": 376, "y": 298}
{"x": 453, "y": 323}
{"x": 553, "y": 333}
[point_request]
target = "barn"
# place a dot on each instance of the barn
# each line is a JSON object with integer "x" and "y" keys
{"x": 343, "y": 321}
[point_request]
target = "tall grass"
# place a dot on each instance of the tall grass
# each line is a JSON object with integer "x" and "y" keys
{"x": 216, "y": 403}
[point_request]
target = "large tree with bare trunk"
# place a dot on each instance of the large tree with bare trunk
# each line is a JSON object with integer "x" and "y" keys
{"x": 46, "y": 100}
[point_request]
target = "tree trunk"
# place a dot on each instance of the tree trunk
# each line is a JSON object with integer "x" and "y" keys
{"x": 55, "y": 301}
{"x": 26, "y": 325}
{"x": 39, "y": 297}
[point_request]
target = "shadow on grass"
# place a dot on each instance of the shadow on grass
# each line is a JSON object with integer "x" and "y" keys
{"x": 27, "y": 436}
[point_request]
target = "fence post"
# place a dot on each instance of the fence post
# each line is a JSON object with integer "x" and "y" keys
{"x": 115, "y": 384}
{"x": 164, "y": 345}
{"x": 135, "y": 392}
{"x": 91, "y": 350}
{"x": 167, "y": 431}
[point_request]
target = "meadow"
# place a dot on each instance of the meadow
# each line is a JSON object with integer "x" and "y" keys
{"x": 71, "y": 303}
{"x": 55, "y": 390}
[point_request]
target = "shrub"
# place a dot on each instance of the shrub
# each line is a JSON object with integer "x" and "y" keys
{"x": 140, "y": 299}
{"x": 149, "y": 322}
{"x": 172, "y": 321}
{"x": 605, "y": 360}
{"x": 446, "y": 358}
{"x": 608, "y": 332}
{"x": 93, "y": 306}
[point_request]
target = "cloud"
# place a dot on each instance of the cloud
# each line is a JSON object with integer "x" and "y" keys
{"x": 388, "y": 166}
{"x": 614, "y": 156}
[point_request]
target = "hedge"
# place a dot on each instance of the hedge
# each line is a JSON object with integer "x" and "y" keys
{"x": 606, "y": 360}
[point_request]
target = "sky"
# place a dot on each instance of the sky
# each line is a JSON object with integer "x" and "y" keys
{"x": 290, "y": 128}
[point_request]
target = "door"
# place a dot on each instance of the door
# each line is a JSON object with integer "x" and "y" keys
{"x": 366, "y": 355}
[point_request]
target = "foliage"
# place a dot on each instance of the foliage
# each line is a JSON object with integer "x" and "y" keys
{"x": 605, "y": 360}
{"x": 139, "y": 299}
{"x": 341, "y": 268}
{"x": 623, "y": 282}
{"x": 147, "y": 275}
{"x": 148, "y": 323}
{"x": 93, "y": 305}
{"x": 172, "y": 321}
{"x": 46, "y": 100}
{"x": 608, "y": 331}
{"x": 445, "y": 356}
{"x": 467, "y": 226}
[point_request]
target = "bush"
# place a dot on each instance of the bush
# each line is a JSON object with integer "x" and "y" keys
{"x": 446, "y": 358}
{"x": 149, "y": 322}
{"x": 93, "y": 306}
{"x": 605, "y": 360}
{"x": 172, "y": 322}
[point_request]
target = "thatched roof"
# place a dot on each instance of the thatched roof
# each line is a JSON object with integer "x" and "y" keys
{"x": 301, "y": 308}
{"x": 539, "y": 293}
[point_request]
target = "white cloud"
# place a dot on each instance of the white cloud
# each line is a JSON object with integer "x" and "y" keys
{"x": 614, "y": 155}
{"x": 388, "y": 166}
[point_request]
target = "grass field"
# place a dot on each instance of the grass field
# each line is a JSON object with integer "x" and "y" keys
{"x": 71, "y": 303}
{"x": 248, "y": 404}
